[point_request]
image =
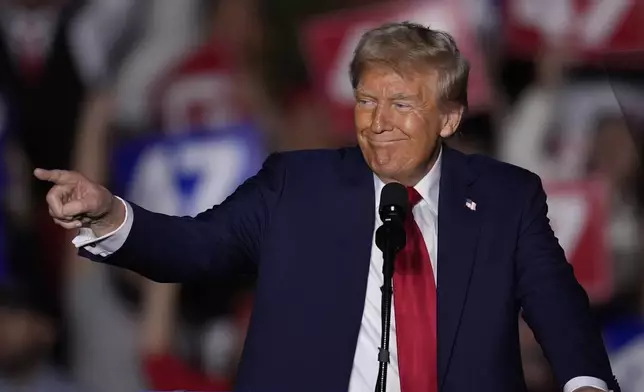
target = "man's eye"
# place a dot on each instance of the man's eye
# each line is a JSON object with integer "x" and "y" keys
{"x": 365, "y": 102}
{"x": 400, "y": 105}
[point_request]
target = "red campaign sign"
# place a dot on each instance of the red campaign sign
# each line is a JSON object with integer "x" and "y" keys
{"x": 197, "y": 92}
{"x": 330, "y": 40}
{"x": 594, "y": 27}
{"x": 579, "y": 216}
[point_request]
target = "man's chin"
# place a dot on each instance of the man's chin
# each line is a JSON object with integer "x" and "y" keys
{"x": 386, "y": 172}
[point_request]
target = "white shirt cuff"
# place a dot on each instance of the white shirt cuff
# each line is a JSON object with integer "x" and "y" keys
{"x": 585, "y": 382}
{"x": 108, "y": 243}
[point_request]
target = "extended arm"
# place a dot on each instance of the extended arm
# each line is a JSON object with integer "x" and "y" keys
{"x": 555, "y": 305}
{"x": 222, "y": 240}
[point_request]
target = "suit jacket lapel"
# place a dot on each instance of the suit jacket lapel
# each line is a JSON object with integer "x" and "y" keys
{"x": 458, "y": 232}
{"x": 354, "y": 208}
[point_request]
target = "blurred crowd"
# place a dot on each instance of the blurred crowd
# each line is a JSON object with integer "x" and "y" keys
{"x": 173, "y": 103}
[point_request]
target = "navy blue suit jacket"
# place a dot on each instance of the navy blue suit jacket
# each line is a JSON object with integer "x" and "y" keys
{"x": 304, "y": 224}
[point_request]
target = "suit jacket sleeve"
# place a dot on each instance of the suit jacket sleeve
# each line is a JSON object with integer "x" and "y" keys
{"x": 555, "y": 305}
{"x": 220, "y": 241}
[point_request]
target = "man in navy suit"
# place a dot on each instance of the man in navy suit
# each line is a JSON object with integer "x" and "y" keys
{"x": 479, "y": 246}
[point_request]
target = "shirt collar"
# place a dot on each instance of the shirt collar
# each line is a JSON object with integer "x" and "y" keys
{"x": 428, "y": 187}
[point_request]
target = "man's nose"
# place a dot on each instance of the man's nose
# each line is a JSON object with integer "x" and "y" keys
{"x": 381, "y": 120}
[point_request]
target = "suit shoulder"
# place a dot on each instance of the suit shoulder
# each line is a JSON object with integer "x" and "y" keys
{"x": 316, "y": 161}
{"x": 502, "y": 172}
{"x": 313, "y": 155}
{"x": 509, "y": 188}
{"x": 311, "y": 169}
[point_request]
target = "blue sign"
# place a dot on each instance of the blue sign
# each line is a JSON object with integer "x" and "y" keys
{"x": 188, "y": 173}
{"x": 621, "y": 332}
{"x": 624, "y": 339}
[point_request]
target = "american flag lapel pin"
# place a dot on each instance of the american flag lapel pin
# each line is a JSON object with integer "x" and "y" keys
{"x": 470, "y": 204}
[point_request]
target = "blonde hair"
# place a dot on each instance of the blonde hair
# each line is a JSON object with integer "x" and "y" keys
{"x": 408, "y": 47}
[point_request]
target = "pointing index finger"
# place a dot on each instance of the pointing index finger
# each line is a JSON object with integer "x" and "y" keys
{"x": 60, "y": 177}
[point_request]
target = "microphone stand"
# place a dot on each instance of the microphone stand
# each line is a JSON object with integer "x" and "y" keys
{"x": 389, "y": 238}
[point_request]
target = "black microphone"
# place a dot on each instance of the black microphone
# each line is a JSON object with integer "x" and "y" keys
{"x": 394, "y": 204}
{"x": 390, "y": 239}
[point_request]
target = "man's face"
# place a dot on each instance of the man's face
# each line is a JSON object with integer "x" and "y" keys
{"x": 399, "y": 122}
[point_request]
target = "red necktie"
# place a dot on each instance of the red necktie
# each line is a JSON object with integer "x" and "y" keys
{"x": 415, "y": 310}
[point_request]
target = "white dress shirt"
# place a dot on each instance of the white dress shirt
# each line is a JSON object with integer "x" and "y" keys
{"x": 365, "y": 364}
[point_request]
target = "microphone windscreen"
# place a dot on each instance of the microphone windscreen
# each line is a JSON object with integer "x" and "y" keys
{"x": 395, "y": 194}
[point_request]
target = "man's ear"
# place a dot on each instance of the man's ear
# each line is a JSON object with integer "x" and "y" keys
{"x": 451, "y": 119}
